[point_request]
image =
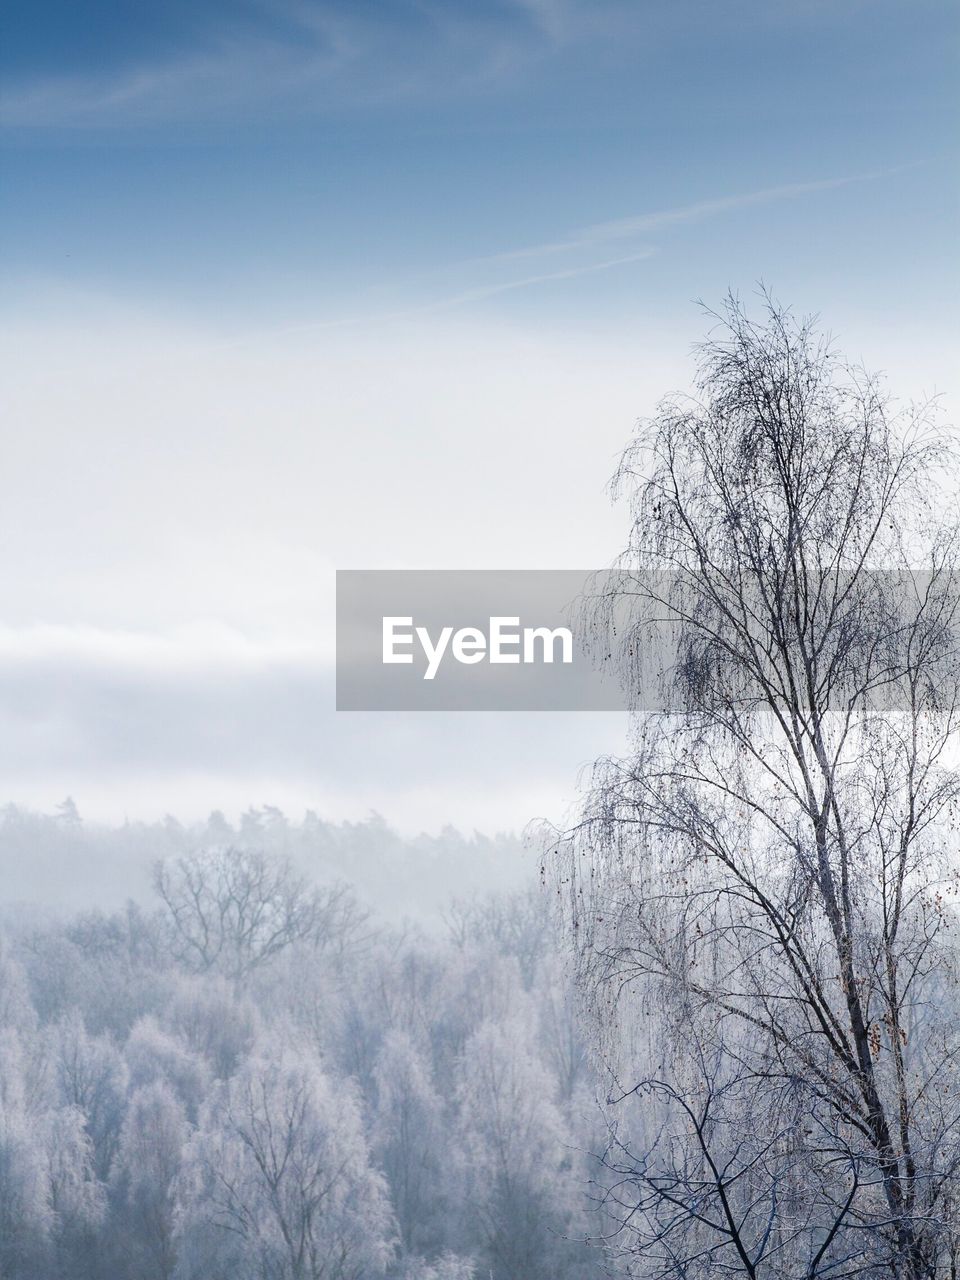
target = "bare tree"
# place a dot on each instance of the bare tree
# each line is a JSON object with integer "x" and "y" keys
{"x": 763, "y": 893}
{"x": 277, "y": 1181}
{"x": 231, "y": 910}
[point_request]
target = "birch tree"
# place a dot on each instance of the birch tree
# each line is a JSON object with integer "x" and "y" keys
{"x": 763, "y": 893}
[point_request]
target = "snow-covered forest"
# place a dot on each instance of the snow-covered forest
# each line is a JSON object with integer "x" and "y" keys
{"x": 245, "y": 1072}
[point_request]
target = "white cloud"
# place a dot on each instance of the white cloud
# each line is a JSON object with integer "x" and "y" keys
{"x": 198, "y": 648}
{"x": 159, "y": 477}
{"x": 174, "y": 505}
{"x": 173, "y": 508}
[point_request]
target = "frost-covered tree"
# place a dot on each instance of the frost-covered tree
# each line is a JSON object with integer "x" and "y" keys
{"x": 147, "y": 1162}
{"x": 16, "y": 1008}
{"x": 91, "y": 1075}
{"x": 155, "y": 1055}
{"x": 764, "y": 892}
{"x": 26, "y": 1215}
{"x": 409, "y": 1141}
{"x": 77, "y": 1198}
{"x": 214, "y": 1021}
{"x": 231, "y": 910}
{"x": 277, "y": 1182}
{"x": 520, "y": 1188}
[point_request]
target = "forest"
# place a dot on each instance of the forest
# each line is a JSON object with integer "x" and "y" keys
{"x": 249, "y": 1074}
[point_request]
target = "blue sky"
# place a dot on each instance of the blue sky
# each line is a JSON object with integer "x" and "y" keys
{"x": 341, "y": 158}
{"x": 293, "y": 285}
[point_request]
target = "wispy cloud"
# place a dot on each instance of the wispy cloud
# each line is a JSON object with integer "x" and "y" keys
{"x": 581, "y": 248}
{"x": 479, "y": 292}
{"x": 598, "y": 234}
{"x": 475, "y": 293}
{"x": 301, "y": 59}
{"x": 216, "y": 84}
{"x": 586, "y": 242}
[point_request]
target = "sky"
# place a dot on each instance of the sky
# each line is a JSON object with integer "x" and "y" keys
{"x": 290, "y": 286}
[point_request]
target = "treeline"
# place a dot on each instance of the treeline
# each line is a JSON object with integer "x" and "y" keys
{"x": 247, "y": 1078}
{"x": 64, "y": 860}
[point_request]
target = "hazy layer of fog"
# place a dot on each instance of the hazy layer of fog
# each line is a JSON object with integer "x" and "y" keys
{"x": 61, "y": 863}
{"x": 176, "y": 500}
